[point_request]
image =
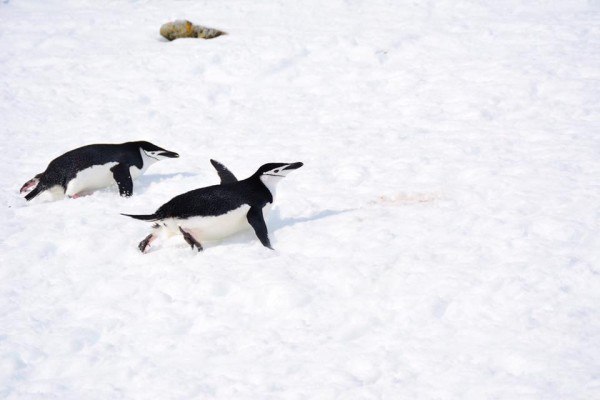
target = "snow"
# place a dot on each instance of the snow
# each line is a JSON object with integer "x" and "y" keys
{"x": 440, "y": 242}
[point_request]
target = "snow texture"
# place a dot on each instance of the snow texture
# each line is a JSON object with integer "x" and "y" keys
{"x": 441, "y": 241}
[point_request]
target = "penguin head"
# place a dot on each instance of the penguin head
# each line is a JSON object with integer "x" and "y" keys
{"x": 154, "y": 153}
{"x": 270, "y": 174}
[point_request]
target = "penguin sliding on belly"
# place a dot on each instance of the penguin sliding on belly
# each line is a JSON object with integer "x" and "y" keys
{"x": 215, "y": 212}
{"x": 86, "y": 169}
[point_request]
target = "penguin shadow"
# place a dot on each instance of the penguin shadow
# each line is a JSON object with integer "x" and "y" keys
{"x": 144, "y": 181}
{"x": 276, "y": 222}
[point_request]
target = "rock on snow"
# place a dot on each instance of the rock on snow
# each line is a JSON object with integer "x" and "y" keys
{"x": 441, "y": 242}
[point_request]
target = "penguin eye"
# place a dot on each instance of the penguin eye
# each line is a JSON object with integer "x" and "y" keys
{"x": 276, "y": 171}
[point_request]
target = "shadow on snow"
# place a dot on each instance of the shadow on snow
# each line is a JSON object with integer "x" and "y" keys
{"x": 276, "y": 222}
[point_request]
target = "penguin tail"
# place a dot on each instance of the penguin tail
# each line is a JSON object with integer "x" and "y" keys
{"x": 150, "y": 217}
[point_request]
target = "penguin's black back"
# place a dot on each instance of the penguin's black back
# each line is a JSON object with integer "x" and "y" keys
{"x": 216, "y": 200}
{"x": 65, "y": 167}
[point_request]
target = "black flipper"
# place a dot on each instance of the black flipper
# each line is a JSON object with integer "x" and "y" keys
{"x": 189, "y": 239}
{"x": 123, "y": 179}
{"x": 225, "y": 174}
{"x": 257, "y": 221}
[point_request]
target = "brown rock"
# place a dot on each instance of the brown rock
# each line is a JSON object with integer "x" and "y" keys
{"x": 185, "y": 29}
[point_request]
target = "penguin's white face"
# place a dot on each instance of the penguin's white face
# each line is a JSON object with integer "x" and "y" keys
{"x": 282, "y": 170}
{"x": 151, "y": 153}
{"x": 158, "y": 155}
{"x": 271, "y": 174}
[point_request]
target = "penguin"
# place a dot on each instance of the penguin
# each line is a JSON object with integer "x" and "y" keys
{"x": 83, "y": 170}
{"x": 215, "y": 212}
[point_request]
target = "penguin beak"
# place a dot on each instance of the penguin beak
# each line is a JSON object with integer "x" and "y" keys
{"x": 295, "y": 165}
{"x": 169, "y": 154}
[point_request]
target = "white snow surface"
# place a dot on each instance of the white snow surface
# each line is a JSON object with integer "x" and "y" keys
{"x": 441, "y": 241}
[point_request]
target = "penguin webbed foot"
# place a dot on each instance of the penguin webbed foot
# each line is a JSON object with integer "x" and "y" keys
{"x": 145, "y": 244}
{"x": 189, "y": 239}
{"x": 30, "y": 184}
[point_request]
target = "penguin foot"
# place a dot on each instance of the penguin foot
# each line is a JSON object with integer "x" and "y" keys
{"x": 80, "y": 194}
{"x": 145, "y": 244}
{"x": 189, "y": 239}
{"x": 29, "y": 185}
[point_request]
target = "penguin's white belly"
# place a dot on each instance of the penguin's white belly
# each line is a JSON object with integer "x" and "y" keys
{"x": 215, "y": 227}
{"x": 90, "y": 179}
